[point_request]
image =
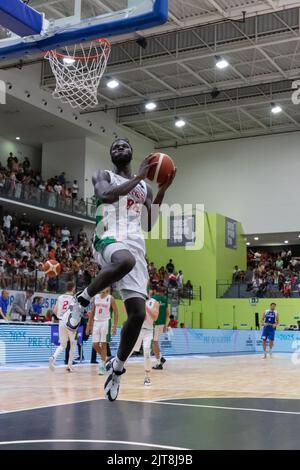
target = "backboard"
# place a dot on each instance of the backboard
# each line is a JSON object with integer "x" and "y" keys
{"x": 49, "y": 24}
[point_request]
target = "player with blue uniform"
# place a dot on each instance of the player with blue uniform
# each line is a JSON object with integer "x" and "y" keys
{"x": 270, "y": 320}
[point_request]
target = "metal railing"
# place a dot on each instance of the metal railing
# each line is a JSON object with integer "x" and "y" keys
{"x": 30, "y": 194}
{"x": 37, "y": 283}
{"x": 244, "y": 290}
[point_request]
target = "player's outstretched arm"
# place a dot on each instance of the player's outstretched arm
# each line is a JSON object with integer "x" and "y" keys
{"x": 109, "y": 194}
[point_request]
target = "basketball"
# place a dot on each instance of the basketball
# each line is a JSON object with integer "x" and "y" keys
{"x": 52, "y": 268}
{"x": 164, "y": 167}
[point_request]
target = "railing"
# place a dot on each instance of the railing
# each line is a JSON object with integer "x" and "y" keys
{"x": 32, "y": 195}
{"x": 243, "y": 290}
{"x": 33, "y": 281}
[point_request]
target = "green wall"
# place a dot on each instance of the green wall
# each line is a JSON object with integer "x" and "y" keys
{"x": 203, "y": 267}
{"x": 227, "y": 258}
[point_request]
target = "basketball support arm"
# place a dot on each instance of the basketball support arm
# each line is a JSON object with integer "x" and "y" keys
{"x": 86, "y": 30}
{"x": 20, "y": 18}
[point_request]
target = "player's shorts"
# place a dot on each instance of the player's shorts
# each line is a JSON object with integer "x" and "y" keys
{"x": 135, "y": 283}
{"x": 158, "y": 330}
{"x": 145, "y": 338}
{"x": 101, "y": 331}
{"x": 65, "y": 335}
{"x": 268, "y": 333}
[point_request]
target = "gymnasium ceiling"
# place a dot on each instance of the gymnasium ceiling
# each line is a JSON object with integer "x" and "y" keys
{"x": 177, "y": 69}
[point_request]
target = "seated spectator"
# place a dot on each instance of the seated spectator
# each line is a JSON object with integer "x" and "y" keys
{"x": 37, "y": 308}
{"x": 4, "y": 301}
{"x": 180, "y": 280}
{"x": 173, "y": 322}
{"x": 21, "y": 306}
{"x": 236, "y": 274}
{"x": 75, "y": 189}
{"x": 173, "y": 281}
{"x": 182, "y": 325}
{"x": 188, "y": 289}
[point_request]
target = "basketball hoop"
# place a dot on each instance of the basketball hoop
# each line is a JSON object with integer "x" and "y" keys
{"x": 78, "y": 71}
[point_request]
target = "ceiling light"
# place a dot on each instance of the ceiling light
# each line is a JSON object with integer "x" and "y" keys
{"x": 150, "y": 106}
{"x": 18, "y": 138}
{"x": 112, "y": 84}
{"x": 69, "y": 60}
{"x": 256, "y": 238}
{"x": 180, "y": 122}
{"x": 248, "y": 243}
{"x": 275, "y": 108}
{"x": 221, "y": 63}
{"x": 286, "y": 242}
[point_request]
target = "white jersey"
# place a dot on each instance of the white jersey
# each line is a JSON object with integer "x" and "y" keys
{"x": 63, "y": 303}
{"x": 121, "y": 221}
{"x": 102, "y": 308}
{"x": 151, "y": 304}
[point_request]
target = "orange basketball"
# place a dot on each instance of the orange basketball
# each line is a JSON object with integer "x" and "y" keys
{"x": 164, "y": 167}
{"x": 52, "y": 268}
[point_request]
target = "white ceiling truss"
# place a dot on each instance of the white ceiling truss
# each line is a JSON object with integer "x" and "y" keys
{"x": 177, "y": 69}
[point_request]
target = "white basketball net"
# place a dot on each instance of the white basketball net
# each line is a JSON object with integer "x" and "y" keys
{"x": 78, "y": 71}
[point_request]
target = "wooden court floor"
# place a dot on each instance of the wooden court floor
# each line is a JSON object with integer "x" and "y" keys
{"x": 188, "y": 377}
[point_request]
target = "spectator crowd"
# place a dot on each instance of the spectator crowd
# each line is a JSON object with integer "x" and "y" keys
{"x": 169, "y": 281}
{"x": 25, "y": 247}
{"x": 270, "y": 274}
{"x": 20, "y": 181}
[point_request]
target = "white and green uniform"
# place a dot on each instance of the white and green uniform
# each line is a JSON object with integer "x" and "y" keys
{"x": 118, "y": 228}
{"x": 102, "y": 319}
{"x": 146, "y": 334}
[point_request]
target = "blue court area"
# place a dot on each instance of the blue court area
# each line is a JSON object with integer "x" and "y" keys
{"x": 206, "y": 423}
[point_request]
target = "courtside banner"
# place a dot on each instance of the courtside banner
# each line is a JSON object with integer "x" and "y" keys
{"x": 28, "y": 343}
{"x": 49, "y": 300}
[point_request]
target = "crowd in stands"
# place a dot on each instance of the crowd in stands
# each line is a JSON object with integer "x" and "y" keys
{"x": 20, "y": 181}
{"x": 270, "y": 274}
{"x": 167, "y": 279}
{"x": 24, "y": 248}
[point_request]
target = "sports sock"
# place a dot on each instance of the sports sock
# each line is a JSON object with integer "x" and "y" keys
{"x": 118, "y": 365}
{"x": 84, "y": 298}
{"x": 159, "y": 359}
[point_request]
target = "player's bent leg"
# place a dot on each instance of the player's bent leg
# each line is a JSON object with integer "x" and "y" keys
{"x": 265, "y": 348}
{"x": 271, "y": 343}
{"x": 73, "y": 344}
{"x": 103, "y": 357}
{"x": 121, "y": 262}
{"x": 147, "y": 365}
{"x": 136, "y": 310}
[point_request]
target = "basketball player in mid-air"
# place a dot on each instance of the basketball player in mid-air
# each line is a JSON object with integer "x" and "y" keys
{"x": 119, "y": 246}
{"x": 100, "y": 324}
{"x": 270, "y": 320}
{"x": 65, "y": 334}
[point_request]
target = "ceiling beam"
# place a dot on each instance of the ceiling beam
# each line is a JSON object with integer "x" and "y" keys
{"x": 222, "y": 122}
{"x": 202, "y": 110}
{"x": 253, "y": 118}
{"x": 222, "y": 12}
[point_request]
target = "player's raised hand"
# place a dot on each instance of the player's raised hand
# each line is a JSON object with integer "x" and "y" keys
{"x": 145, "y": 167}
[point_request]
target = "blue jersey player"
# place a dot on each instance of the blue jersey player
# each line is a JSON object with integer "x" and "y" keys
{"x": 270, "y": 321}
